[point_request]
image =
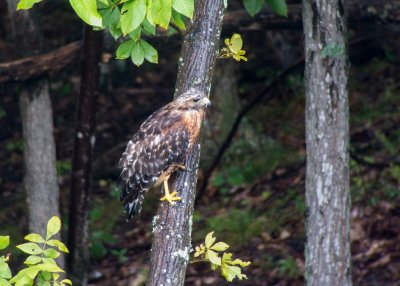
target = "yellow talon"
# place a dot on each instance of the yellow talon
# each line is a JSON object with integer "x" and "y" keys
{"x": 170, "y": 197}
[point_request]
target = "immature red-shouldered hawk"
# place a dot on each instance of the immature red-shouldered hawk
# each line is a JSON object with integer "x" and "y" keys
{"x": 159, "y": 148}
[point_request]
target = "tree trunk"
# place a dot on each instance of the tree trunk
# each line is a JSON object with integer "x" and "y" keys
{"x": 40, "y": 180}
{"x": 78, "y": 235}
{"x": 172, "y": 226}
{"x": 327, "y": 137}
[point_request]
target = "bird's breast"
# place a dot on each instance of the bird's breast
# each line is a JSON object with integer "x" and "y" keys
{"x": 192, "y": 121}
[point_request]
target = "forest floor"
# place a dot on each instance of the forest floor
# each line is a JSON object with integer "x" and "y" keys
{"x": 262, "y": 219}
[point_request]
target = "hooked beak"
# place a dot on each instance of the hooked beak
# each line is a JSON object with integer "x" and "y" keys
{"x": 206, "y": 102}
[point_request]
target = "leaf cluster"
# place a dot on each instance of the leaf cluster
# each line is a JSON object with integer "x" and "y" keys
{"x": 129, "y": 19}
{"x": 233, "y": 48}
{"x": 255, "y": 6}
{"x": 211, "y": 251}
{"x": 41, "y": 267}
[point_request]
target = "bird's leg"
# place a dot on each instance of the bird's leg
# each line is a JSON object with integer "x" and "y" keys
{"x": 170, "y": 197}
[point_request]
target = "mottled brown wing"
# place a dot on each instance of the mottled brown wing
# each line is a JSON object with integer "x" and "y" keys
{"x": 161, "y": 141}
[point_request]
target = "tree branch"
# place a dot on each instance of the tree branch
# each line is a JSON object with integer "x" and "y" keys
{"x": 38, "y": 65}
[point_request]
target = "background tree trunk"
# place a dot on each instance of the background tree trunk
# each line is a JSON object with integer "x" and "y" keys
{"x": 172, "y": 225}
{"x": 327, "y": 138}
{"x": 40, "y": 180}
{"x": 78, "y": 235}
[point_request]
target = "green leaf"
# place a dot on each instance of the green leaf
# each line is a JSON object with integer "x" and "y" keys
{"x": 30, "y": 248}
{"x": 66, "y": 281}
{"x": 34, "y": 237}
{"x": 220, "y": 246}
{"x": 161, "y": 12}
{"x": 213, "y": 257}
{"x": 214, "y": 266}
{"x": 149, "y": 28}
{"x": 209, "y": 239}
{"x": 278, "y": 6}
{"x": 22, "y": 279}
{"x": 32, "y": 272}
{"x": 56, "y": 276}
{"x": 56, "y": 243}
{"x": 50, "y": 267}
{"x": 53, "y": 226}
{"x": 137, "y": 54}
{"x": 115, "y": 32}
{"x": 235, "y": 44}
{"x": 135, "y": 34}
{"x": 25, "y": 276}
{"x": 51, "y": 253}
{"x": 231, "y": 272}
{"x": 253, "y": 6}
{"x": 87, "y": 11}
{"x": 149, "y": 17}
{"x": 46, "y": 275}
{"x": 49, "y": 261}
{"x": 184, "y": 7}
{"x": 150, "y": 53}
{"x": 4, "y": 241}
{"x": 133, "y": 14}
{"x": 125, "y": 49}
{"x": 240, "y": 262}
{"x": 26, "y": 4}
{"x": 111, "y": 16}
{"x": 4, "y": 282}
{"x": 33, "y": 259}
{"x": 5, "y": 271}
{"x": 177, "y": 20}
{"x": 46, "y": 283}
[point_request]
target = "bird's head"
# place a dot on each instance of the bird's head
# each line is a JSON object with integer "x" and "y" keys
{"x": 192, "y": 99}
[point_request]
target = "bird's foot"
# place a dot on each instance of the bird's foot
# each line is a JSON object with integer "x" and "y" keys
{"x": 170, "y": 197}
{"x": 183, "y": 168}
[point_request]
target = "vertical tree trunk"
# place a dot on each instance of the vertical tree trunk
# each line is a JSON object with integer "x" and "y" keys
{"x": 40, "y": 180}
{"x": 327, "y": 138}
{"x": 78, "y": 235}
{"x": 172, "y": 225}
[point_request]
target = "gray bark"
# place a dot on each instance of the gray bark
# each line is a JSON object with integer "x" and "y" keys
{"x": 40, "y": 180}
{"x": 327, "y": 138}
{"x": 172, "y": 226}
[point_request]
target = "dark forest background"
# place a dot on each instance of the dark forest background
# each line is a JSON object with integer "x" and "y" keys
{"x": 251, "y": 185}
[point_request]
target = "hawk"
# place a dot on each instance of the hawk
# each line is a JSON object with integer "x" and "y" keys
{"x": 159, "y": 148}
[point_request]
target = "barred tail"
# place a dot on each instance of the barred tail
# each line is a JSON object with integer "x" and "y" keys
{"x": 132, "y": 200}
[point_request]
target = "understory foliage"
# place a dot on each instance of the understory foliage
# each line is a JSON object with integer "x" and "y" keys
{"x": 211, "y": 251}
{"x": 41, "y": 268}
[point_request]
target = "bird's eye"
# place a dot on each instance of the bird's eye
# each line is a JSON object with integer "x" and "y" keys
{"x": 196, "y": 99}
